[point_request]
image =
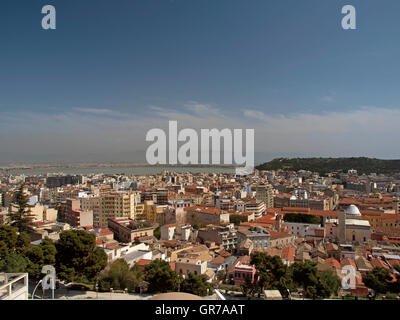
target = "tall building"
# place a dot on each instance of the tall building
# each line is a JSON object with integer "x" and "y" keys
{"x": 265, "y": 193}
{"x": 116, "y": 204}
{"x": 91, "y": 203}
{"x": 76, "y": 217}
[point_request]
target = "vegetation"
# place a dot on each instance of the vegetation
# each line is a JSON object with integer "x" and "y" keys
{"x": 75, "y": 255}
{"x": 301, "y": 218}
{"x": 237, "y": 219}
{"x": 39, "y": 256}
{"x": 197, "y": 226}
{"x": 14, "y": 263}
{"x": 273, "y": 274}
{"x": 118, "y": 276}
{"x": 161, "y": 277}
{"x": 78, "y": 258}
{"x": 196, "y": 284}
{"x": 157, "y": 233}
{"x": 327, "y": 165}
{"x": 12, "y": 247}
{"x": 380, "y": 280}
{"x": 21, "y": 218}
{"x": 313, "y": 282}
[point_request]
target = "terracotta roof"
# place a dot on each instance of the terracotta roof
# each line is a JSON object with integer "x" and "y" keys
{"x": 376, "y": 262}
{"x": 333, "y": 263}
{"x": 348, "y": 262}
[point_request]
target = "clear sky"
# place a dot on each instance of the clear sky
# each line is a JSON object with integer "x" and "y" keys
{"x": 112, "y": 70}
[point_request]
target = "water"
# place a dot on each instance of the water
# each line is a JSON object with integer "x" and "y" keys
{"x": 139, "y": 170}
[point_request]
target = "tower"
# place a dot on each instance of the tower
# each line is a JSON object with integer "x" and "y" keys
{"x": 342, "y": 226}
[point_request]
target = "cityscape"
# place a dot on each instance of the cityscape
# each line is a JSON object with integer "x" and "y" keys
{"x": 276, "y": 234}
{"x": 238, "y": 154}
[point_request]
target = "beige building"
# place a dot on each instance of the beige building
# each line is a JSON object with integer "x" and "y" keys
{"x": 76, "y": 217}
{"x": 265, "y": 193}
{"x": 116, "y": 204}
{"x": 176, "y": 231}
{"x": 205, "y": 216}
{"x": 127, "y": 230}
{"x": 50, "y": 214}
{"x": 184, "y": 266}
{"x": 91, "y": 203}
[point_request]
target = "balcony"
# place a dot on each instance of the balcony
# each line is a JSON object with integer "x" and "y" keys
{"x": 13, "y": 286}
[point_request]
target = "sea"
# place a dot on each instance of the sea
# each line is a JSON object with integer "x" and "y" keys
{"x": 131, "y": 170}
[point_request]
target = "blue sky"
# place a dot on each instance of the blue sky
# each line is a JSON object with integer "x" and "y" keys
{"x": 112, "y": 70}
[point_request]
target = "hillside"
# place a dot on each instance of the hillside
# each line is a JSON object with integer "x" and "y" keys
{"x": 326, "y": 165}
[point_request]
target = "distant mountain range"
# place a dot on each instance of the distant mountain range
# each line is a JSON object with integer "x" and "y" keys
{"x": 327, "y": 165}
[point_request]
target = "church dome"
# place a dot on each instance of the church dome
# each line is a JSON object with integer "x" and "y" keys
{"x": 353, "y": 210}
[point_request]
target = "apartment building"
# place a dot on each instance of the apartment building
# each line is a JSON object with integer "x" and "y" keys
{"x": 265, "y": 193}
{"x": 76, "y": 217}
{"x": 253, "y": 206}
{"x": 91, "y": 203}
{"x": 127, "y": 230}
{"x": 206, "y": 215}
{"x": 116, "y": 204}
{"x": 176, "y": 231}
{"x": 184, "y": 266}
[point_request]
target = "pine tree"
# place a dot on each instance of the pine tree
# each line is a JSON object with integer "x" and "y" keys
{"x": 21, "y": 218}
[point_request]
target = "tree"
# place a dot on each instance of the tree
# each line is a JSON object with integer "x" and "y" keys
{"x": 247, "y": 287}
{"x": 36, "y": 261}
{"x": 304, "y": 274}
{"x": 14, "y": 263}
{"x": 328, "y": 284}
{"x": 77, "y": 257}
{"x": 237, "y": 219}
{"x": 49, "y": 251}
{"x": 39, "y": 256}
{"x": 221, "y": 275}
{"x": 3, "y": 250}
{"x": 23, "y": 243}
{"x": 377, "y": 280}
{"x": 301, "y": 218}
{"x": 161, "y": 277}
{"x": 12, "y": 242}
{"x": 9, "y": 236}
{"x": 118, "y": 276}
{"x": 272, "y": 273}
{"x": 157, "y": 233}
{"x": 21, "y": 218}
{"x": 314, "y": 283}
{"x": 196, "y": 284}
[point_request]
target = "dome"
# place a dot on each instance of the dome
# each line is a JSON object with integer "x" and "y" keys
{"x": 352, "y": 209}
{"x": 175, "y": 296}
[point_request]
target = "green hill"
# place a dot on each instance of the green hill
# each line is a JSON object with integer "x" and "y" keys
{"x": 326, "y": 165}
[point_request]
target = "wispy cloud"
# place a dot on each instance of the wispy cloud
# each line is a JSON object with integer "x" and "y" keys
{"x": 328, "y": 99}
{"x": 363, "y": 131}
{"x": 95, "y": 111}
